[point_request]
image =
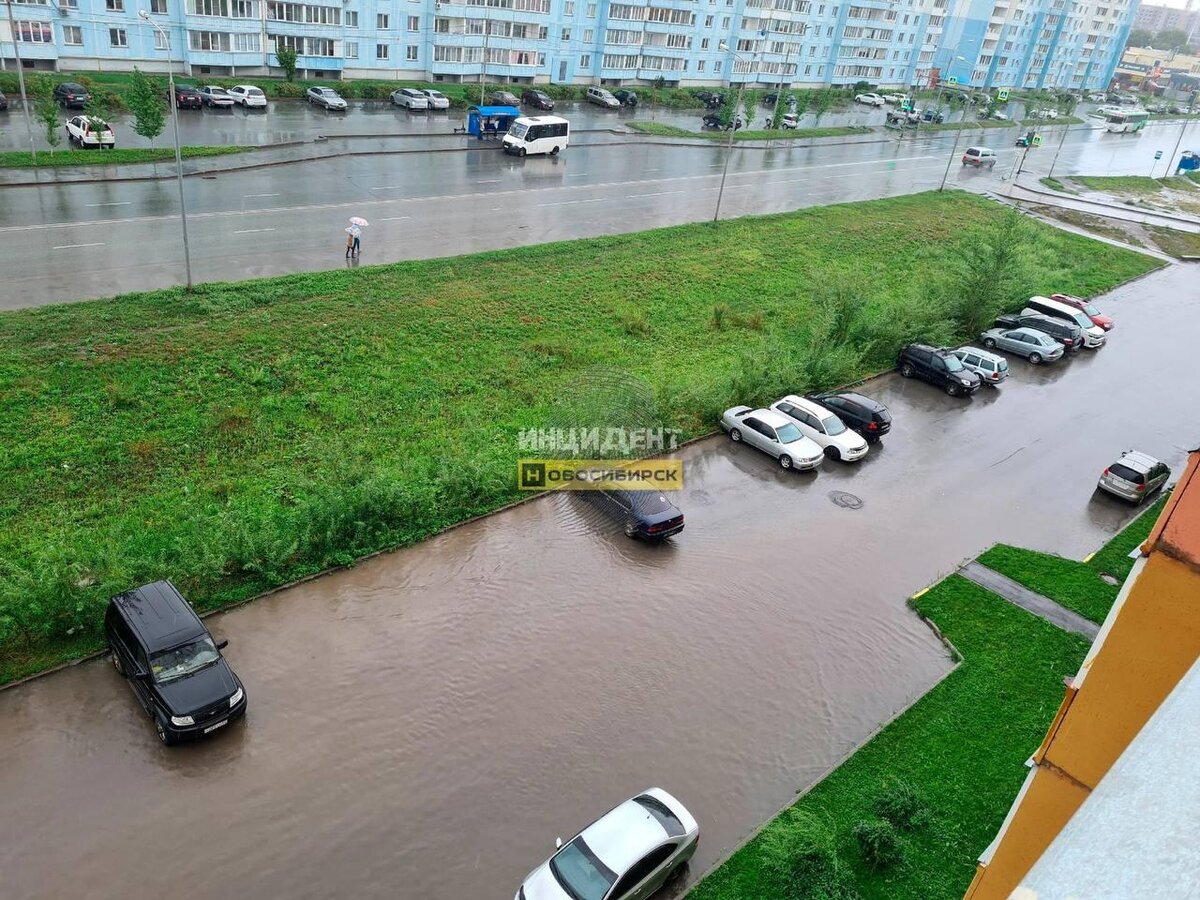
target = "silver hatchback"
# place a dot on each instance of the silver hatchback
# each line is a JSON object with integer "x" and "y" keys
{"x": 1134, "y": 477}
{"x": 991, "y": 367}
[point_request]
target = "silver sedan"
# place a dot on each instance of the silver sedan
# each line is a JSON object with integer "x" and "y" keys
{"x": 1035, "y": 346}
{"x": 774, "y": 434}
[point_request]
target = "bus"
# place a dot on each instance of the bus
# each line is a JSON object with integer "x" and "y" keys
{"x": 537, "y": 134}
{"x": 1132, "y": 120}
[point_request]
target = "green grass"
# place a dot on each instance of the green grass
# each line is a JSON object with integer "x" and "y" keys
{"x": 1055, "y": 185}
{"x": 1175, "y": 243}
{"x": 658, "y": 128}
{"x": 1061, "y": 120}
{"x": 246, "y": 434}
{"x": 23, "y": 159}
{"x": 1140, "y": 185}
{"x": 962, "y": 747}
{"x": 1113, "y": 557}
{"x": 967, "y": 126}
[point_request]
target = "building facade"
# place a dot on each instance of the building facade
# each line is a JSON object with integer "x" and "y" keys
{"x": 805, "y": 43}
{"x": 1166, "y": 18}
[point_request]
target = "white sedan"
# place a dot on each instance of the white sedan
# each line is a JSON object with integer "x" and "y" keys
{"x": 824, "y": 428}
{"x": 90, "y": 131}
{"x": 410, "y": 98}
{"x": 248, "y": 96}
{"x": 216, "y": 97}
{"x": 437, "y": 100}
{"x": 869, "y": 99}
{"x": 774, "y": 434}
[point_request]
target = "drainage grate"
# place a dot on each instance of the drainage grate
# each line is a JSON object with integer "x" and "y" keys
{"x": 845, "y": 500}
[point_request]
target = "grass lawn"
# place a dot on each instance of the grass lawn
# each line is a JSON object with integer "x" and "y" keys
{"x": 778, "y": 134}
{"x": 23, "y": 159}
{"x": 1175, "y": 243}
{"x": 962, "y": 747}
{"x": 1055, "y": 185}
{"x": 967, "y": 126}
{"x": 246, "y": 434}
{"x": 1132, "y": 184}
{"x": 1061, "y": 120}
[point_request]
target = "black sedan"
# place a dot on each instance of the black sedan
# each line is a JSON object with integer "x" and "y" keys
{"x": 537, "y": 99}
{"x": 868, "y": 417}
{"x": 627, "y": 98}
{"x": 645, "y": 514}
{"x": 70, "y": 95}
{"x": 188, "y": 96}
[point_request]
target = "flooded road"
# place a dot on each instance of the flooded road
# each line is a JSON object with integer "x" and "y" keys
{"x": 425, "y": 725}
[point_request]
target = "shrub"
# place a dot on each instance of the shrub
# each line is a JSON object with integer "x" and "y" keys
{"x": 899, "y": 803}
{"x": 879, "y": 844}
{"x": 800, "y": 859}
{"x": 754, "y": 321}
{"x": 635, "y": 324}
{"x": 371, "y": 91}
{"x": 719, "y": 314}
{"x": 288, "y": 89}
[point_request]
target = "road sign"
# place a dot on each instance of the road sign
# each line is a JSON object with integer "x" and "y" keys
{"x": 1037, "y": 140}
{"x": 953, "y": 79}
{"x": 1002, "y": 94}
{"x": 1158, "y": 154}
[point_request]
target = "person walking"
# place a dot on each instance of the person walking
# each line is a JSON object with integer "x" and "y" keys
{"x": 349, "y": 242}
{"x": 353, "y": 233}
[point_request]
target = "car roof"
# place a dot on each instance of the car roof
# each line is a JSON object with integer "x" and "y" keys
{"x": 72, "y": 84}
{"x": 159, "y": 615}
{"x": 925, "y": 347}
{"x": 807, "y": 405}
{"x": 985, "y": 354}
{"x": 1135, "y": 459}
{"x": 980, "y": 150}
{"x": 1033, "y": 331}
{"x": 771, "y": 417}
{"x": 624, "y": 835}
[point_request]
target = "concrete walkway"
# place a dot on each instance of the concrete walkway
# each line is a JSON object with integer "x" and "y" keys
{"x": 1019, "y": 595}
{"x": 1026, "y": 194}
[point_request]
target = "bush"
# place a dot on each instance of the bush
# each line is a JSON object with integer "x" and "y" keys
{"x": 719, "y": 314}
{"x": 288, "y": 89}
{"x": 800, "y": 860}
{"x": 371, "y": 91}
{"x": 879, "y": 844}
{"x": 900, "y": 804}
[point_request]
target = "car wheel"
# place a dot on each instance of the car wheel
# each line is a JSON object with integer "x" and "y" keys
{"x": 554, "y": 152}
{"x": 630, "y": 530}
{"x": 162, "y": 732}
{"x": 833, "y": 453}
{"x": 785, "y": 461}
{"x": 521, "y": 153}
{"x": 989, "y": 343}
{"x": 906, "y": 370}
{"x": 735, "y": 435}
{"x": 117, "y": 664}
{"x": 1035, "y": 358}
{"x": 952, "y": 389}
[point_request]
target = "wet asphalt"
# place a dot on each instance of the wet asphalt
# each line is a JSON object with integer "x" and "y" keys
{"x": 424, "y": 725}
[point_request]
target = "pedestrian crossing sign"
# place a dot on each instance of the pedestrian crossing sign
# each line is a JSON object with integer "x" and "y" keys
{"x": 1037, "y": 140}
{"x": 1002, "y": 94}
{"x": 953, "y": 79}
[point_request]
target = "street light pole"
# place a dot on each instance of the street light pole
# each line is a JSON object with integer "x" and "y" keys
{"x": 187, "y": 250}
{"x": 957, "y": 133}
{"x": 737, "y": 105}
{"x": 12, "y": 27}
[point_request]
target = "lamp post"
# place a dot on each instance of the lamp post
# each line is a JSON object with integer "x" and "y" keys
{"x": 957, "y": 138}
{"x": 737, "y": 105}
{"x": 187, "y": 250}
{"x": 783, "y": 75}
{"x": 12, "y": 27}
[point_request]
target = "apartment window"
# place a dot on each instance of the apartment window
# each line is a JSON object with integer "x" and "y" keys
{"x": 414, "y": 23}
{"x": 808, "y": 70}
{"x": 73, "y": 35}
{"x": 351, "y": 18}
{"x": 160, "y": 40}
{"x": 441, "y": 26}
{"x": 703, "y": 43}
{"x": 725, "y": 23}
{"x": 588, "y": 35}
{"x": 247, "y": 43}
{"x": 569, "y": 8}
{"x": 717, "y": 66}
{"x": 158, "y": 7}
{"x": 208, "y": 40}
{"x": 116, "y": 36}
{"x": 115, "y": 6}
{"x": 541, "y": 59}
{"x": 566, "y": 34}
{"x": 208, "y": 7}
{"x": 35, "y": 33}
{"x": 350, "y": 49}
{"x": 708, "y": 20}
{"x": 585, "y": 61}
{"x": 591, "y": 10}
{"x": 543, "y": 32}
{"x": 381, "y": 51}
{"x": 244, "y": 9}
{"x": 381, "y": 21}
{"x": 410, "y": 53}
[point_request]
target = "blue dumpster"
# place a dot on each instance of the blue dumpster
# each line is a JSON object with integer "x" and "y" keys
{"x": 1189, "y": 162}
{"x": 490, "y": 121}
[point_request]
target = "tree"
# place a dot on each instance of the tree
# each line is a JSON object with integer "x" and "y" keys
{"x": 286, "y": 57}
{"x": 47, "y": 113}
{"x": 819, "y": 103}
{"x": 1139, "y": 37}
{"x": 146, "y": 103}
{"x": 728, "y": 109}
{"x": 750, "y": 101}
{"x": 992, "y": 273}
{"x": 1172, "y": 39}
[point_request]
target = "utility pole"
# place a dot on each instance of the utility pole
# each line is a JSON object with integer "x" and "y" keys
{"x": 783, "y": 75}
{"x": 21, "y": 80}
{"x": 1062, "y": 140}
{"x": 487, "y": 30}
{"x": 737, "y": 106}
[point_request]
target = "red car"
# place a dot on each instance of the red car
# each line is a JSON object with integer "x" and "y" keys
{"x": 1087, "y": 308}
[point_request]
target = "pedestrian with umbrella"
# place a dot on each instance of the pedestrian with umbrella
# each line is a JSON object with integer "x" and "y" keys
{"x": 353, "y": 233}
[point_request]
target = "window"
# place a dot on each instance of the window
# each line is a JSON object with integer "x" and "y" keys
{"x": 410, "y": 52}
{"x": 244, "y": 9}
{"x": 717, "y": 66}
{"x": 160, "y": 40}
{"x": 591, "y": 10}
{"x": 569, "y": 8}
{"x": 351, "y": 18}
{"x": 700, "y": 66}
{"x": 35, "y": 33}
{"x": 115, "y": 6}
{"x": 381, "y": 51}
{"x": 703, "y": 43}
{"x": 208, "y": 40}
{"x": 158, "y": 7}
{"x": 725, "y": 23}
{"x": 566, "y": 34}
{"x": 208, "y": 7}
{"x": 708, "y": 21}
{"x": 73, "y": 35}
{"x": 441, "y": 26}
{"x": 350, "y": 49}
{"x": 414, "y": 23}
{"x": 116, "y": 36}
{"x": 585, "y": 61}
{"x": 247, "y": 43}
{"x": 588, "y": 35}
{"x": 381, "y": 21}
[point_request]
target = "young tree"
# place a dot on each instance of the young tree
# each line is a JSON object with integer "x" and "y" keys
{"x": 1139, "y": 37}
{"x": 47, "y": 113}
{"x": 750, "y": 101}
{"x": 819, "y": 104}
{"x": 1171, "y": 39}
{"x": 145, "y": 99}
{"x": 286, "y": 57}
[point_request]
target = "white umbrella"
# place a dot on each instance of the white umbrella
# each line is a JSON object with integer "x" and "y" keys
{"x": 354, "y": 230}
{"x": 359, "y": 220}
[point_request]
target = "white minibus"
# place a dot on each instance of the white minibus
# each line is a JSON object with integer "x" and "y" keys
{"x": 537, "y": 134}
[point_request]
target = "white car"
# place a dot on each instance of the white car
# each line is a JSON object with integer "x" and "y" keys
{"x": 823, "y": 428}
{"x": 897, "y": 99}
{"x": 437, "y": 100}
{"x": 869, "y": 99}
{"x": 626, "y": 854}
{"x": 410, "y": 98}
{"x": 90, "y": 131}
{"x": 216, "y": 97}
{"x": 774, "y": 434}
{"x": 1044, "y": 114}
{"x": 248, "y": 96}
{"x": 325, "y": 97}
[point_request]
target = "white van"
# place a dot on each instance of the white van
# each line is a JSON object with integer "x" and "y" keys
{"x": 537, "y": 134}
{"x": 1093, "y": 334}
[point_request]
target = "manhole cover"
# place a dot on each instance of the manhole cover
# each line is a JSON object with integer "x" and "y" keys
{"x": 845, "y": 500}
{"x": 1108, "y": 579}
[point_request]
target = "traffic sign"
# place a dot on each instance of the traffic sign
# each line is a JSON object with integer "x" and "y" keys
{"x": 1158, "y": 154}
{"x": 953, "y": 79}
{"x": 1002, "y": 94}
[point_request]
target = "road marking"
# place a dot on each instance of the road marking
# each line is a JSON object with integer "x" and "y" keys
{"x": 1088, "y": 558}
{"x": 112, "y": 203}
{"x": 394, "y": 218}
{"x": 920, "y": 593}
{"x": 577, "y": 174}
{"x": 276, "y": 194}
{"x": 390, "y": 187}
{"x": 489, "y": 181}
{"x": 253, "y": 230}
{"x": 496, "y": 209}
{"x": 73, "y": 246}
{"x": 660, "y": 193}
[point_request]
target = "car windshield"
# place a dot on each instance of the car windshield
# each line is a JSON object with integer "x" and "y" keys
{"x": 518, "y": 130}
{"x": 833, "y": 425}
{"x": 1123, "y": 471}
{"x": 216, "y": 90}
{"x": 953, "y": 363}
{"x": 788, "y": 433}
{"x": 580, "y": 873}
{"x": 1090, "y": 310}
{"x": 179, "y": 662}
{"x": 652, "y": 503}
{"x": 254, "y": 92}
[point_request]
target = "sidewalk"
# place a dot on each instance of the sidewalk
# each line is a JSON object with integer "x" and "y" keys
{"x": 1019, "y": 595}
{"x": 1017, "y": 191}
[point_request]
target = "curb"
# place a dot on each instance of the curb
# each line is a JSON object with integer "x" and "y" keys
{"x": 1186, "y": 220}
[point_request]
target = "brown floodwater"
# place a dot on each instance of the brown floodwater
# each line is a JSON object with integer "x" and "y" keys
{"x": 424, "y": 725}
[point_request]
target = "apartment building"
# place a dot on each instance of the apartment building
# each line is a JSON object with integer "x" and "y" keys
{"x": 806, "y": 43}
{"x": 1166, "y": 18}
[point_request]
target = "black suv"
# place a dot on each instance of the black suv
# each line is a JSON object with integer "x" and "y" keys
{"x": 627, "y": 98}
{"x": 188, "y": 96}
{"x": 537, "y": 99}
{"x": 868, "y": 417}
{"x": 645, "y": 514}
{"x": 172, "y": 663}
{"x": 1066, "y": 333}
{"x": 940, "y": 367}
{"x": 69, "y": 94}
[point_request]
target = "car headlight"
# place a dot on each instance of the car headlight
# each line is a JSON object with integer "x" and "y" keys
{"x": 182, "y": 720}
{"x": 236, "y": 698}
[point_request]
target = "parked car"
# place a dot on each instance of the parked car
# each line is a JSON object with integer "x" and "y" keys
{"x": 626, "y": 854}
{"x": 326, "y": 98}
{"x": 1134, "y": 477}
{"x": 172, "y": 663}
{"x": 869, "y": 99}
{"x": 938, "y": 367}
{"x": 990, "y": 367}
{"x": 1066, "y": 333}
{"x": 626, "y": 97}
{"x": 823, "y": 428}
{"x": 773, "y": 433}
{"x": 896, "y": 99}
{"x": 868, "y": 417}
{"x": 248, "y": 96}
{"x": 713, "y": 120}
{"x": 1093, "y": 335}
{"x": 503, "y": 98}
{"x": 436, "y": 99}
{"x": 1087, "y": 308}
{"x": 537, "y": 99}
{"x": 902, "y": 117}
{"x": 3, "y": 101}
{"x": 710, "y": 99}
{"x": 90, "y": 132}
{"x": 787, "y": 122}
{"x": 410, "y": 98}
{"x": 216, "y": 97}
{"x": 600, "y": 97}
{"x": 1044, "y": 113}
{"x": 187, "y": 96}
{"x": 979, "y": 157}
{"x": 70, "y": 95}
{"x": 649, "y": 515}
{"x": 999, "y": 116}
{"x": 1035, "y": 346}
{"x": 933, "y": 116}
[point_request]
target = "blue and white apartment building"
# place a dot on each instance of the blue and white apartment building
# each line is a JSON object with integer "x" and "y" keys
{"x": 1065, "y": 44}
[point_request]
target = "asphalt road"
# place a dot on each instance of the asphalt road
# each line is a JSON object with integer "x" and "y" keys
{"x": 425, "y": 724}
